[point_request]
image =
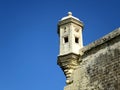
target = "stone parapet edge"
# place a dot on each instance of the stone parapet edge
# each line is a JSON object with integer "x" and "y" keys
{"x": 102, "y": 40}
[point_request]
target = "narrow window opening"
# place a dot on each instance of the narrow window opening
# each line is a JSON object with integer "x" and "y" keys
{"x": 65, "y": 39}
{"x": 76, "y": 40}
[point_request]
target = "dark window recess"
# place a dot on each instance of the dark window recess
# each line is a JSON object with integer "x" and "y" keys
{"x": 65, "y": 39}
{"x": 76, "y": 40}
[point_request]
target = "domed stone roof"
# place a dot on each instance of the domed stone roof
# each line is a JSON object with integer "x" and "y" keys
{"x": 69, "y": 16}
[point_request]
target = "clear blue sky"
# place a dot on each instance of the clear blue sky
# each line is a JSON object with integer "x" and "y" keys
{"x": 29, "y": 41}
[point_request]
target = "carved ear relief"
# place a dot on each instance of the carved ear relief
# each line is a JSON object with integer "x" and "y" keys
{"x": 76, "y": 29}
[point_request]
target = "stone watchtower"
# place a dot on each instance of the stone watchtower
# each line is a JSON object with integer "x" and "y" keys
{"x": 70, "y": 34}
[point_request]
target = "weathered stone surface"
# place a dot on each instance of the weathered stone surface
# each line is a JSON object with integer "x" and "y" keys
{"x": 68, "y": 64}
{"x": 99, "y": 68}
{"x": 70, "y": 36}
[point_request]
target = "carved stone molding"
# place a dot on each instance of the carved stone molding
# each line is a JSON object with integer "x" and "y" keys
{"x": 68, "y": 63}
{"x": 69, "y": 20}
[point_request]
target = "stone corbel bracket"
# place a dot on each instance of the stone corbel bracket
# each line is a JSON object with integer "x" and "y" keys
{"x": 68, "y": 64}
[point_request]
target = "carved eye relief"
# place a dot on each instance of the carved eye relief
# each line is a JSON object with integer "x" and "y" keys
{"x": 65, "y": 29}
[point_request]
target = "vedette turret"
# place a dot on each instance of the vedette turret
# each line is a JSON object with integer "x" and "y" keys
{"x": 70, "y": 34}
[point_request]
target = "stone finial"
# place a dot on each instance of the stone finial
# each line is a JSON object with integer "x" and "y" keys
{"x": 69, "y": 13}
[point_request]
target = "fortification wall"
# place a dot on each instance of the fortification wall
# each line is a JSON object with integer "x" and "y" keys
{"x": 99, "y": 68}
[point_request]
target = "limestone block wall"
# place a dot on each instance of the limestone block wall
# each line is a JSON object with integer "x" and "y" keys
{"x": 99, "y": 68}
